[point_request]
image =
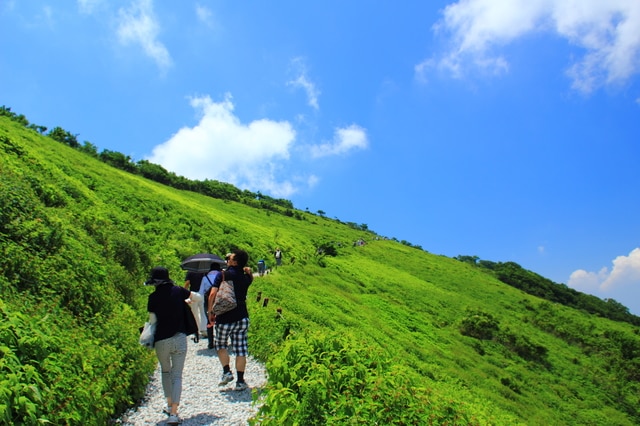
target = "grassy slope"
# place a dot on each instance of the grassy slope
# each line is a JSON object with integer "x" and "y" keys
{"x": 408, "y": 301}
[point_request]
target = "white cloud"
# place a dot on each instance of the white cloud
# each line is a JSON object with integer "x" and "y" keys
{"x": 625, "y": 274}
{"x": 138, "y": 25}
{"x": 344, "y": 140}
{"x": 626, "y": 271}
{"x": 204, "y": 15}
{"x": 89, "y": 6}
{"x": 302, "y": 81}
{"x": 588, "y": 282}
{"x": 607, "y": 31}
{"x": 220, "y": 147}
{"x": 313, "y": 181}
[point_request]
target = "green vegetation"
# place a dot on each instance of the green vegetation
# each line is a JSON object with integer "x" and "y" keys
{"x": 515, "y": 275}
{"x": 381, "y": 333}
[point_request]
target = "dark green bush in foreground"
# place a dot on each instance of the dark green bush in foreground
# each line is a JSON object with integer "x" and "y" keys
{"x": 320, "y": 379}
{"x": 53, "y": 372}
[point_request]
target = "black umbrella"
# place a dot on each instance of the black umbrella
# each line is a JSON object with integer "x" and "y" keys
{"x": 201, "y": 262}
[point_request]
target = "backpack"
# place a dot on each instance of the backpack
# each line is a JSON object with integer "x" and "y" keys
{"x": 225, "y": 298}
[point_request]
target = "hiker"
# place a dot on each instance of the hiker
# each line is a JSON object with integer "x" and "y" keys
{"x": 192, "y": 281}
{"x": 262, "y": 267}
{"x": 233, "y": 325}
{"x": 205, "y": 288}
{"x": 278, "y": 256}
{"x": 167, "y": 307}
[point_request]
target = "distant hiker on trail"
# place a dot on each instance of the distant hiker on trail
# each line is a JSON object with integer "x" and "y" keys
{"x": 278, "y": 256}
{"x": 205, "y": 287}
{"x": 262, "y": 267}
{"x": 192, "y": 282}
{"x": 167, "y": 307}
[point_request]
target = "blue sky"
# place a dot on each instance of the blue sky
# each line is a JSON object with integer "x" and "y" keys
{"x": 508, "y": 130}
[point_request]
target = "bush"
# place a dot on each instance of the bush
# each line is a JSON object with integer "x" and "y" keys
{"x": 320, "y": 378}
{"x": 480, "y": 325}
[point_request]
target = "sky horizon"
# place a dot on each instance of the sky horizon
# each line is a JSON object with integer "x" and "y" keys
{"x": 504, "y": 130}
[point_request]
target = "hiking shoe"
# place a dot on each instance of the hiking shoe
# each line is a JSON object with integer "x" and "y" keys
{"x": 174, "y": 420}
{"x": 240, "y": 386}
{"x": 226, "y": 378}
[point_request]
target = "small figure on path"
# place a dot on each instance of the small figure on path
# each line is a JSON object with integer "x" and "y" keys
{"x": 278, "y": 256}
{"x": 262, "y": 267}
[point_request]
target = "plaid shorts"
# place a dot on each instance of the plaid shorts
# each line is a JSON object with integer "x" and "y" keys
{"x": 237, "y": 331}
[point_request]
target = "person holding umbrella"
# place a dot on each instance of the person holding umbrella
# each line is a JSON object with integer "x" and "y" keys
{"x": 205, "y": 289}
{"x": 197, "y": 267}
{"x": 234, "y": 324}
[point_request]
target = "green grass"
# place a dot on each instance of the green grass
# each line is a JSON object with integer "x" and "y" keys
{"x": 78, "y": 237}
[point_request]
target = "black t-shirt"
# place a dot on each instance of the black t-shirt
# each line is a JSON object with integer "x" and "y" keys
{"x": 194, "y": 278}
{"x": 168, "y": 303}
{"x": 241, "y": 283}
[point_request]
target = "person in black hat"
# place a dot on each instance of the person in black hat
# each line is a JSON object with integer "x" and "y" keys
{"x": 167, "y": 307}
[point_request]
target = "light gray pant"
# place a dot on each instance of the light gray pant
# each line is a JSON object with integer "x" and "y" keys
{"x": 197, "y": 308}
{"x": 172, "y": 353}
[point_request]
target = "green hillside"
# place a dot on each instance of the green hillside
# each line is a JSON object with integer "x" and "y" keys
{"x": 383, "y": 333}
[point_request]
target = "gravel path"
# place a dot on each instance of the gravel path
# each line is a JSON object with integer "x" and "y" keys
{"x": 203, "y": 402}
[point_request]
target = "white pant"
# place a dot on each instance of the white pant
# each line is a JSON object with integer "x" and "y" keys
{"x": 197, "y": 307}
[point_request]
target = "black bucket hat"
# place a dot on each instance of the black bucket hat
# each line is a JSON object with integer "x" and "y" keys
{"x": 159, "y": 275}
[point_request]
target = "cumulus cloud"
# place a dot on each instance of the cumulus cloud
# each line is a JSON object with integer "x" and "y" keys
{"x": 139, "y": 25}
{"x": 303, "y": 82}
{"x": 624, "y": 274}
{"x": 221, "y": 147}
{"x": 205, "y": 15}
{"x": 344, "y": 140}
{"x": 89, "y": 6}
{"x": 607, "y": 31}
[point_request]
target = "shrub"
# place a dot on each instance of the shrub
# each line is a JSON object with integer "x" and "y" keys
{"x": 322, "y": 378}
{"x": 480, "y": 325}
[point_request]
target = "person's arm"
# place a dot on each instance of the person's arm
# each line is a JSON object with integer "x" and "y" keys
{"x": 249, "y": 272}
{"x": 196, "y": 297}
{"x": 212, "y": 298}
{"x": 212, "y": 295}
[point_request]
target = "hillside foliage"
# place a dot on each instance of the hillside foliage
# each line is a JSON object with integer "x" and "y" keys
{"x": 515, "y": 275}
{"x": 378, "y": 333}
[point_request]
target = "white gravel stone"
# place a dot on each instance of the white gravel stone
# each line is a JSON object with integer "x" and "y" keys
{"x": 203, "y": 402}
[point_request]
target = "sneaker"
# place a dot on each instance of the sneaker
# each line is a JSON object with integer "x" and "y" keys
{"x": 174, "y": 420}
{"x": 166, "y": 410}
{"x": 240, "y": 386}
{"x": 226, "y": 378}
